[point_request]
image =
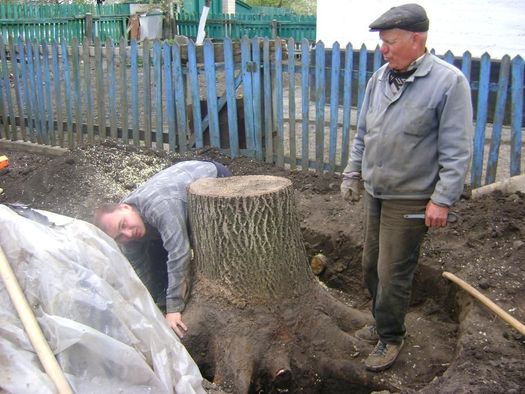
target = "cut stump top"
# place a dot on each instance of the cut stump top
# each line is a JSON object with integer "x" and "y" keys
{"x": 239, "y": 186}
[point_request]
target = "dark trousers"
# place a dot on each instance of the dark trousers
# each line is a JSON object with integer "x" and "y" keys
{"x": 222, "y": 170}
{"x": 390, "y": 255}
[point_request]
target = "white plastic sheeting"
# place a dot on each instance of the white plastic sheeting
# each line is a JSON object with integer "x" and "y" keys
{"x": 100, "y": 321}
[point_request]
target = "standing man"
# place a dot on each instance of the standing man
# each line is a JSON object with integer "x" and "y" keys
{"x": 150, "y": 224}
{"x": 411, "y": 152}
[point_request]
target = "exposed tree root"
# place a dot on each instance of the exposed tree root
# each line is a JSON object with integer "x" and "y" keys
{"x": 304, "y": 343}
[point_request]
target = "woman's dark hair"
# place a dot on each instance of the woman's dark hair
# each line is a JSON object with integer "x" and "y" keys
{"x": 103, "y": 210}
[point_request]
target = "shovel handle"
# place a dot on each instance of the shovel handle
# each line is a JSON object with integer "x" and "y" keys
{"x": 487, "y": 302}
{"x": 33, "y": 330}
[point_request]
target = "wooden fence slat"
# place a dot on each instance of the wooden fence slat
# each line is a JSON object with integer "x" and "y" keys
{"x": 378, "y": 59}
{"x": 77, "y": 96}
{"x": 248, "y": 96}
{"x": 180, "y": 99}
{"x": 334, "y": 104}
{"x": 123, "y": 64}
{"x": 193, "y": 75}
{"x": 170, "y": 106}
{"x": 147, "y": 92}
{"x": 279, "y": 102}
{"x": 101, "y": 100}
{"x": 291, "y": 103}
{"x": 67, "y": 94}
{"x": 16, "y": 81}
{"x": 134, "y": 82}
{"x": 40, "y": 94}
{"x": 516, "y": 115}
{"x": 449, "y": 57}
{"x": 88, "y": 91}
{"x": 499, "y": 113}
{"x": 347, "y": 105}
{"x": 466, "y": 65}
{"x": 32, "y": 92}
{"x": 229, "y": 70}
{"x": 305, "y": 101}
{"x": 320, "y": 104}
{"x": 211, "y": 97}
{"x": 268, "y": 126}
{"x": 157, "y": 74}
{"x": 23, "y": 55}
{"x": 112, "y": 87}
{"x": 256, "y": 99}
{"x": 47, "y": 94}
{"x": 57, "y": 91}
{"x": 481, "y": 121}
{"x": 26, "y": 33}
{"x": 361, "y": 78}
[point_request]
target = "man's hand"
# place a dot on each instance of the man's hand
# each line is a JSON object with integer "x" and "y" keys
{"x": 435, "y": 216}
{"x": 351, "y": 187}
{"x": 175, "y": 321}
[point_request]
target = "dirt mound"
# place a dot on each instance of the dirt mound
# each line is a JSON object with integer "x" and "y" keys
{"x": 454, "y": 344}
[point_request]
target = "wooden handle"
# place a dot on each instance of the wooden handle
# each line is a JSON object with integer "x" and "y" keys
{"x": 487, "y": 302}
{"x": 35, "y": 334}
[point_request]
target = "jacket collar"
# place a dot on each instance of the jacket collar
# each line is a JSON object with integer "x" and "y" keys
{"x": 422, "y": 70}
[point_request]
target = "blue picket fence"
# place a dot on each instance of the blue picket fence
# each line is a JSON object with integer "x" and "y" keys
{"x": 287, "y": 103}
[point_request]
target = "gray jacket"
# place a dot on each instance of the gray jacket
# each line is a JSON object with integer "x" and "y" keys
{"x": 161, "y": 202}
{"x": 416, "y": 143}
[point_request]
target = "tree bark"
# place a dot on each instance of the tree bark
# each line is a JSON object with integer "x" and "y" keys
{"x": 247, "y": 236}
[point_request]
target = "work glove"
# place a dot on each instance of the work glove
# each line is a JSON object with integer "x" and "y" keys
{"x": 351, "y": 187}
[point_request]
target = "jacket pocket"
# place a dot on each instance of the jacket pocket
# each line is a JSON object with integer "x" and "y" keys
{"x": 419, "y": 119}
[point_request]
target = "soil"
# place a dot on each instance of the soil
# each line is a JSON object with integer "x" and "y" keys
{"x": 454, "y": 344}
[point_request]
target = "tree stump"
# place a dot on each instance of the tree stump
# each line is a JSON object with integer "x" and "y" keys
{"x": 247, "y": 236}
{"x": 258, "y": 319}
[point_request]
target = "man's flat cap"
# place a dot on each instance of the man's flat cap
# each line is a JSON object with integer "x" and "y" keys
{"x": 411, "y": 17}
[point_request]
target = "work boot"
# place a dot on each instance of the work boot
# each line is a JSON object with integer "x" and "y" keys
{"x": 383, "y": 356}
{"x": 368, "y": 333}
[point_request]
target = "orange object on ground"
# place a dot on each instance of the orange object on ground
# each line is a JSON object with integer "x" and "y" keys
{"x": 4, "y": 162}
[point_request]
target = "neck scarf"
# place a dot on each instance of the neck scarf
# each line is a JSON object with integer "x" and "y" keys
{"x": 398, "y": 78}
